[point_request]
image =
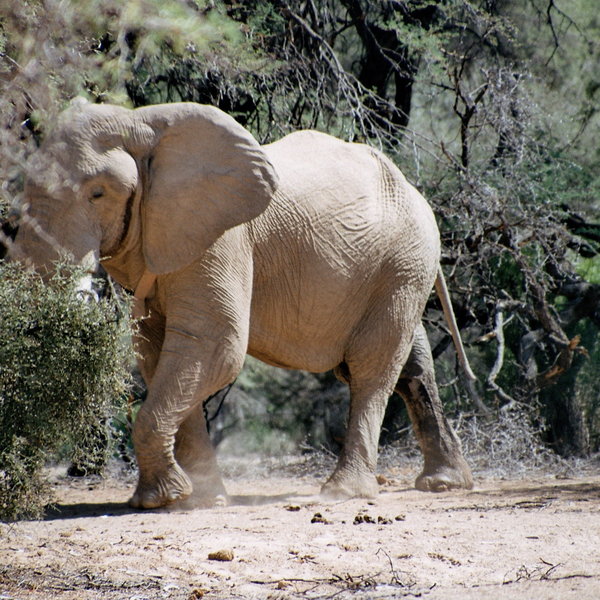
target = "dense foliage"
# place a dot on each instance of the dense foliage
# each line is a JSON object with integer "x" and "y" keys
{"x": 62, "y": 372}
{"x": 489, "y": 106}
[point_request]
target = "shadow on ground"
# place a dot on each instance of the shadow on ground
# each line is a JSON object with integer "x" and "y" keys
{"x": 577, "y": 489}
{"x": 56, "y": 512}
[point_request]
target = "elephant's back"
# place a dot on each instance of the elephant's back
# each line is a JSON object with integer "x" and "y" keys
{"x": 346, "y": 201}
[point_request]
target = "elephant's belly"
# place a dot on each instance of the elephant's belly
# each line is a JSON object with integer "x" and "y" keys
{"x": 303, "y": 357}
{"x": 308, "y": 333}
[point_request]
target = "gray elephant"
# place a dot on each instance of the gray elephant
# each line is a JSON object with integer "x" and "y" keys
{"x": 309, "y": 253}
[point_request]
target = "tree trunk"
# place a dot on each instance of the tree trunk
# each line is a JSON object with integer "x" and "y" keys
{"x": 387, "y": 59}
{"x": 566, "y": 432}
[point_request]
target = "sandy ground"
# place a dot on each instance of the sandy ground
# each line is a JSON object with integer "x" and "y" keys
{"x": 534, "y": 538}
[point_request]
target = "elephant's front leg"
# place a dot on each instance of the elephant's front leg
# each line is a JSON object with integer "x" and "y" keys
{"x": 169, "y": 433}
{"x": 445, "y": 467}
{"x": 195, "y": 455}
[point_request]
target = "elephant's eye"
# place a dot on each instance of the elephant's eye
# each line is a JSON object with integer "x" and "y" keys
{"x": 97, "y": 192}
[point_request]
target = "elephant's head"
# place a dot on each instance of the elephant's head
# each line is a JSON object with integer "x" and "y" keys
{"x": 175, "y": 176}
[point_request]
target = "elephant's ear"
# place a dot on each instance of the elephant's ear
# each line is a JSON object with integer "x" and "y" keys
{"x": 206, "y": 174}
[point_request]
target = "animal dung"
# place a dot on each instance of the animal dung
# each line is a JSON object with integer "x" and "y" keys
{"x": 319, "y": 518}
{"x": 365, "y": 518}
{"x": 222, "y": 555}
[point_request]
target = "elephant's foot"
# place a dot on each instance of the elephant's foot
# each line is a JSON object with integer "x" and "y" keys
{"x": 441, "y": 477}
{"x": 343, "y": 486}
{"x": 161, "y": 490}
{"x": 203, "y": 501}
{"x": 209, "y": 491}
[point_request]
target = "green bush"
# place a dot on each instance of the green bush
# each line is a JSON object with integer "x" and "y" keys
{"x": 63, "y": 367}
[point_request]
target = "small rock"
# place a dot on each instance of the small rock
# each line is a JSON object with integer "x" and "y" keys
{"x": 223, "y": 555}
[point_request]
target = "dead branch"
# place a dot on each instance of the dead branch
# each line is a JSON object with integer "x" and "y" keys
{"x": 498, "y": 363}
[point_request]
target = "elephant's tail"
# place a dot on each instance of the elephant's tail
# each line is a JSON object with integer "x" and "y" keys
{"x": 442, "y": 292}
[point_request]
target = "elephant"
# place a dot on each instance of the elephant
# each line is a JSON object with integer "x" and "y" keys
{"x": 307, "y": 253}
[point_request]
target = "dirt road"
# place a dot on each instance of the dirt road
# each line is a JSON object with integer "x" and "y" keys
{"x": 536, "y": 538}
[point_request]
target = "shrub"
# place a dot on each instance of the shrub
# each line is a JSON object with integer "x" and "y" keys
{"x": 62, "y": 368}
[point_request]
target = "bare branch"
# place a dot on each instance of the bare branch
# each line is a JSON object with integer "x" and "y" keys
{"x": 497, "y": 367}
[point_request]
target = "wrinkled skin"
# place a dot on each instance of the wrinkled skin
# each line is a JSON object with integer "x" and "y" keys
{"x": 309, "y": 253}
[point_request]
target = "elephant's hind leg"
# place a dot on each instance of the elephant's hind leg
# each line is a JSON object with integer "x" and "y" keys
{"x": 373, "y": 364}
{"x": 148, "y": 340}
{"x": 354, "y": 475}
{"x": 444, "y": 465}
